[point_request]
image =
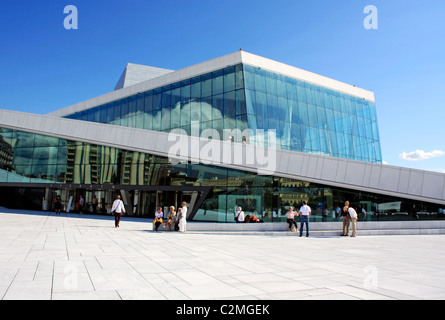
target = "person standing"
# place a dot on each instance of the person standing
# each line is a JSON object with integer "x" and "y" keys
{"x": 354, "y": 217}
{"x": 94, "y": 204}
{"x": 58, "y": 204}
{"x": 183, "y": 218}
{"x": 305, "y": 213}
{"x": 117, "y": 209}
{"x": 291, "y": 218}
{"x": 337, "y": 212}
{"x": 346, "y": 222}
{"x": 81, "y": 204}
{"x": 362, "y": 212}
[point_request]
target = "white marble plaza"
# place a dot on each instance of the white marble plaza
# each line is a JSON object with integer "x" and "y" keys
{"x": 49, "y": 257}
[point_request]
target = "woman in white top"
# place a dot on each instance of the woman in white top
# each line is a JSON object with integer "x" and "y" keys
{"x": 182, "y": 219}
{"x": 291, "y": 218}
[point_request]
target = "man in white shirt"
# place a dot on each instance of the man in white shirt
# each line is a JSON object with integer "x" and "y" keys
{"x": 305, "y": 212}
{"x": 354, "y": 217}
{"x": 117, "y": 209}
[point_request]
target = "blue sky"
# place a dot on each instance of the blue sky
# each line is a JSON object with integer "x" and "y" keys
{"x": 45, "y": 67}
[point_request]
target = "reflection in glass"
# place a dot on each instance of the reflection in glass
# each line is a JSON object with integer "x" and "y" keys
{"x": 25, "y": 161}
{"x": 305, "y": 115}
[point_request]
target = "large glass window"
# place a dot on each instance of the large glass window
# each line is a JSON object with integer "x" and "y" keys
{"x": 215, "y": 100}
{"x": 31, "y": 158}
{"x": 220, "y": 98}
{"x": 323, "y": 116}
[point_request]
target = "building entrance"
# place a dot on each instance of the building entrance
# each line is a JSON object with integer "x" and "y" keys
{"x": 139, "y": 201}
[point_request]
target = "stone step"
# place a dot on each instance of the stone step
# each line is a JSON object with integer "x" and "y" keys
{"x": 319, "y": 229}
{"x": 323, "y": 233}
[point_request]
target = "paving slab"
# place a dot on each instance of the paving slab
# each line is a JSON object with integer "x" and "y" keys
{"x": 70, "y": 256}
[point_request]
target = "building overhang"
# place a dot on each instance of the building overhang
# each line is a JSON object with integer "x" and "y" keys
{"x": 330, "y": 171}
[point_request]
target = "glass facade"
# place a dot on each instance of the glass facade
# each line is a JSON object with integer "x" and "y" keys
{"x": 306, "y": 117}
{"x": 36, "y": 160}
{"x": 214, "y": 100}
{"x": 310, "y": 118}
{"x": 246, "y": 100}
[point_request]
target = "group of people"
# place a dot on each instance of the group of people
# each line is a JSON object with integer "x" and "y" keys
{"x": 177, "y": 220}
{"x": 349, "y": 217}
{"x": 239, "y": 217}
{"x": 304, "y": 213}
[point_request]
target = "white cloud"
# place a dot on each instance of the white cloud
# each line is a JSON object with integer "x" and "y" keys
{"x": 421, "y": 155}
{"x": 384, "y": 162}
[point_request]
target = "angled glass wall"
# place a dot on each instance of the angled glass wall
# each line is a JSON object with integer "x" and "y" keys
{"x": 310, "y": 118}
{"x": 213, "y": 101}
{"x": 41, "y": 160}
{"x": 306, "y": 117}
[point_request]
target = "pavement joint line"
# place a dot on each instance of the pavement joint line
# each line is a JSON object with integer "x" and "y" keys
{"x": 258, "y": 272}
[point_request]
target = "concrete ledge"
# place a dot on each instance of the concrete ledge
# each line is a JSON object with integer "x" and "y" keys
{"x": 322, "y": 228}
{"x": 317, "y": 229}
{"x": 314, "y": 233}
